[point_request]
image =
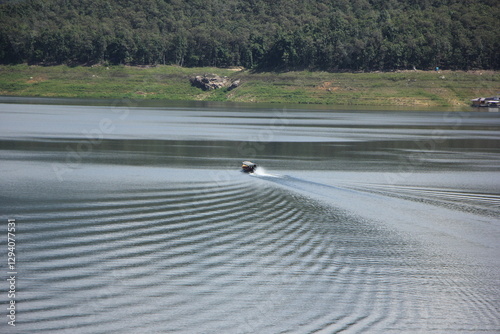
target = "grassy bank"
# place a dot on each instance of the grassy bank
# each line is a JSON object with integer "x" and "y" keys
{"x": 407, "y": 88}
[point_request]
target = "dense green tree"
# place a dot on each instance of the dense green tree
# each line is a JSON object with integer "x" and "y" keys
{"x": 271, "y": 34}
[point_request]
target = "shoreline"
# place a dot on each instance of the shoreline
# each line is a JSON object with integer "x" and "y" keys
{"x": 406, "y": 88}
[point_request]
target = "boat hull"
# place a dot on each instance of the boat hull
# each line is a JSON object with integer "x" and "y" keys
{"x": 248, "y": 167}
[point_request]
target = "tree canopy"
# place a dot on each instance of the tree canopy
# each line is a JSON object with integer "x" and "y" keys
{"x": 355, "y": 35}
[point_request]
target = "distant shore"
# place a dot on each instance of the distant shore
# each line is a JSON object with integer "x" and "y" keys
{"x": 400, "y": 88}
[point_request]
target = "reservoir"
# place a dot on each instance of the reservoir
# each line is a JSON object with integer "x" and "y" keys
{"x": 134, "y": 217}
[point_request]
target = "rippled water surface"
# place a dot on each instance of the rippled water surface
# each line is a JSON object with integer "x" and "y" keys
{"x": 136, "y": 219}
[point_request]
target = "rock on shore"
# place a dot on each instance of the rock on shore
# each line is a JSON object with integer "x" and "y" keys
{"x": 213, "y": 81}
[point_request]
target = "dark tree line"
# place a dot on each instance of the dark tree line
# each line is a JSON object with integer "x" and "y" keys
{"x": 269, "y": 34}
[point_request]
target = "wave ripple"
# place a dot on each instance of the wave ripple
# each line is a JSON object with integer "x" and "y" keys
{"x": 242, "y": 256}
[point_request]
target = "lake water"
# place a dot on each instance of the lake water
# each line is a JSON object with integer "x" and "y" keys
{"x": 135, "y": 218}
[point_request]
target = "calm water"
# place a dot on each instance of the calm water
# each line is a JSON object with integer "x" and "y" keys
{"x": 136, "y": 219}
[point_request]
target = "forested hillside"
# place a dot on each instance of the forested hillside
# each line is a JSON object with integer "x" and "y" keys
{"x": 269, "y": 34}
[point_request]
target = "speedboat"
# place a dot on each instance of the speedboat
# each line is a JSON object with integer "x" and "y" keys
{"x": 248, "y": 167}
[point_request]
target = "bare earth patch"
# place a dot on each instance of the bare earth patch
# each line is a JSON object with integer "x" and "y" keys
{"x": 34, "y": 80}
{"x": 410, "y": 101}
{"x": 328, "y": 86}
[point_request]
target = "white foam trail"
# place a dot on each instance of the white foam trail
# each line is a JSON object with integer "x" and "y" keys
{"x": 260, "y": 171}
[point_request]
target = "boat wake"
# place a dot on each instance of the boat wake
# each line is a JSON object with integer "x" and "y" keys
{"x": 262, "y": 172}
{"x": 437, "y": 215}
{"x": 303, "y": 186}
{"x": 202, "y": 245}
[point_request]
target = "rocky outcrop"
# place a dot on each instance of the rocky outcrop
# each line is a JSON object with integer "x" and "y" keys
{"x": 234, "y": 85}
{"x": 213, "y": 81}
